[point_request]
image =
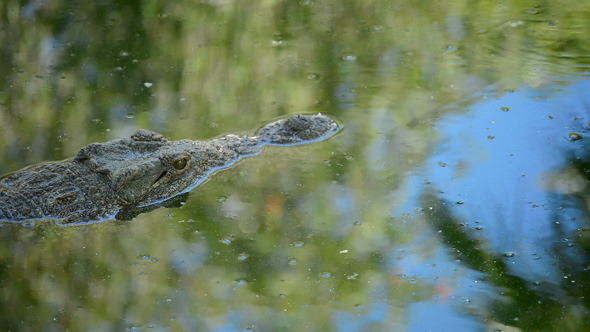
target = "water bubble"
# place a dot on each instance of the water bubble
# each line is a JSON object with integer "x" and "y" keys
{"x": 242, "y": 256}
{"x": 148, "y": 84}
{"x": 452, "y": 48}
{"x": 573, "y": 136}
{"x": 325, "y": 274}
{"x": 292, "y": 261}
{"x": 358, "y": 222}
{"x": 313, "y": 76}
{"x": 349, "y": 57}
{"x": 241, "y": 282}
{"x": 298, "y": 244}
{"x": 345, "y": 251}
{"x": 226, "y": 240}
{"x": 509, "y": 254}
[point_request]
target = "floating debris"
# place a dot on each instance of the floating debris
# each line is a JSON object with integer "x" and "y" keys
{"x": 573, "y": 136}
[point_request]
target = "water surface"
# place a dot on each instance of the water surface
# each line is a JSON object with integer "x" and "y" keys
{"x": 455, "y": 199}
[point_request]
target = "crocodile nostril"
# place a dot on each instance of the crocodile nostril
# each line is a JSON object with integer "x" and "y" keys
{"x": 297, "y": 123}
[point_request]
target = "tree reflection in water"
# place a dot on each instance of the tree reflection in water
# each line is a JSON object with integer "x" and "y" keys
{"x": 520, "y": 215}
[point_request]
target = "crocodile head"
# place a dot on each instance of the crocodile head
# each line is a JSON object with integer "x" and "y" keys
{"x": 147, "y": 168}
{"x": 132, "y": 165}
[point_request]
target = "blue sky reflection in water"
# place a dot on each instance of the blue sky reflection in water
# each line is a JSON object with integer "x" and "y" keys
{"x": 504, "y": 170}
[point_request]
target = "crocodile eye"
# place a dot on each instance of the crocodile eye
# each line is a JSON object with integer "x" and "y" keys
{"x": 180, "y": 163}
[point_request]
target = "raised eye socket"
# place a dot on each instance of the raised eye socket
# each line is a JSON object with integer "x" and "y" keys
{"x": 180, "y": 163}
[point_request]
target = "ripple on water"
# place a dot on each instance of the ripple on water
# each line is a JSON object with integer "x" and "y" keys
{"x": 541, "y": 55}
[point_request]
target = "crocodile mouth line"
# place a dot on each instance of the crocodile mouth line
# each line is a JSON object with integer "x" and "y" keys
{"x": 160, "y": 177}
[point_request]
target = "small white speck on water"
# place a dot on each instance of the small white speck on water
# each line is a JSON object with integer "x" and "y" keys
{"x": 349, "y": 57}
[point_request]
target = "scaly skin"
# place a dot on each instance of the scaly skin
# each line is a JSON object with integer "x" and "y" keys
{"x": 119, "y": 178}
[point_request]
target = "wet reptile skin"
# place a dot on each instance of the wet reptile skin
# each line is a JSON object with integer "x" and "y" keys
{"x": 109, "y": 180}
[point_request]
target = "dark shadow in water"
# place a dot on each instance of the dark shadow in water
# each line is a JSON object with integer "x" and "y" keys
{"x": 525, "y": 304}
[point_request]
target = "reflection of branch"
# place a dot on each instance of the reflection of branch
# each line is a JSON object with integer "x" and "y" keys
{"x": 574, "y": 250}
{"x": 527, "y": 310}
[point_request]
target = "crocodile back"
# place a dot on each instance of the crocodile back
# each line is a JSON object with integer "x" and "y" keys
{"x": 64, "y": 191}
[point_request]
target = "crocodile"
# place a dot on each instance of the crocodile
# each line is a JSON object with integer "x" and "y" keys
{"x": 121, "y": 178}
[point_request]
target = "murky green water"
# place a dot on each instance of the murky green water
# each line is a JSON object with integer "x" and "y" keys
{"x": 456, "y": 198}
